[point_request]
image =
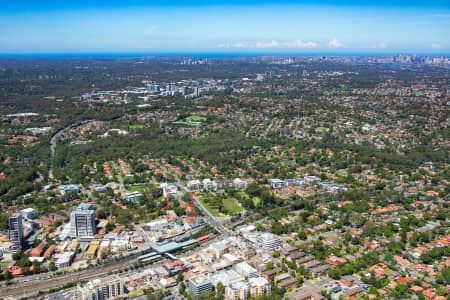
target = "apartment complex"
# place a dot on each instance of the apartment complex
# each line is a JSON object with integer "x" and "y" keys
{"x": 82, "y": 222}
{"x": 243, "y": 290}
{"x": 111, "y": 288}
{"x": 199, "y": 284}
{"x": 16, "y": 232}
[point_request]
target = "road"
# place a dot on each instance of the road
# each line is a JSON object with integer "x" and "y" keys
{"x": 119, "y": 176}
{"x": 212, "y": 220}
{"x": 32, "y": 287}
{"x": 53, "y": 142}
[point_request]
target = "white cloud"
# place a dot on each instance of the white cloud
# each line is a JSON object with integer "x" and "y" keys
{"x": 381, "y": 45}
{"x": 333, "y": 43}
{"x": 435, "y": 46}
{"x": 227, "y": 45}
{"x": 301, "y": 44}
{"x": 272, "y": 44}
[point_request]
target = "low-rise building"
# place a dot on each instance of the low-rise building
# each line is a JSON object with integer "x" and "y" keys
{"x": 63, "y": 260}
{"x": 99, "y": 188}
{"x": 133, "y": 196}
{"x": 246, "y": 270}
{"x": 70, "y": 188}
{"x": 29, "y": 213}
{"x": 305, "y": 294}
{"x": 276, "y": 183}
{"x": 37, "y": 252}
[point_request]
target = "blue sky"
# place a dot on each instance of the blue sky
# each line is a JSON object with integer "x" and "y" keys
{"x": 225, "y": 26}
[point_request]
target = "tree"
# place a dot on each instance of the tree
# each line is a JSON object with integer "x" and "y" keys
{"x": 444, "y": 276}
{"x": 389, "y": 257}
{"x": 277, "y": 228}
{"x": 36, "y": 267}
{"x": 7, "y": 275}
{"x": 220, "y": 289}
{"x": 302, "y": 235}
{"x": 182, "y": 288}
{"x": 24, "y": 262}
{"x": 52, "y": 266}
{"x": 334, "y": 273}
{"x": 110, "y": 226}
{"x": 369, "y": 228}
{"x": 401, "y": 291}
{"x": 299, "y": 278}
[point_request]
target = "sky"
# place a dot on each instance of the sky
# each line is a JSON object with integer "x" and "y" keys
{"x": 377, "y": 26}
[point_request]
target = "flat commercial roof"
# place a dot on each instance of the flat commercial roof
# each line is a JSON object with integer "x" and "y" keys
{"x": 173, "y": 246}
{"x": 151, "y": 258}
{"x": 188, "y": 243}
{"x": 147, "y": 255}
{"x": 168, "y": 247}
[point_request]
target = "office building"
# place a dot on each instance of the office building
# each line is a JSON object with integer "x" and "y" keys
{"x": 269, "y": 241}
{"x": 197, "y": 91}
{"x": 82, "y": 222}
{"x": 16, "y": 232}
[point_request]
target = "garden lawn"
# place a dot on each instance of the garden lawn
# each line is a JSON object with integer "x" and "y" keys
{"x": 137, "y": 126}
{"x": 196, "y": 118}
{"x": 205, "y": 205}
{"x": 231, "y": 205}
{"x": 256, "y": 201}
{"x": 137, "y": 188}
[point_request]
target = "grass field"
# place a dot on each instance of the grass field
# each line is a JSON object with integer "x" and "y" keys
{"x": 245, "y": 196}
{"x": 231, "y": 205}
{"x": 205, "y": 205}
{"x": 322, "y": 129}
{"x": 196, "y": 118}
{"x": 342, "y": 173}
{"x": 137, "y": 188}
{"x": 187, "y": 124}
{"x": 3, "y": 264}
{"x": 256, "y": 201}
{"x": 137, "y": 126}
{"x": 242, "y": 195}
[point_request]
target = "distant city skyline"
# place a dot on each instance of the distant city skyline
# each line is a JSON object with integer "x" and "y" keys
{"x": 226, "y": 27}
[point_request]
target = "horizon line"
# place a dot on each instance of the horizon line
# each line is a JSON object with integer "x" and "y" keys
{"x": 208, "y": 52}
